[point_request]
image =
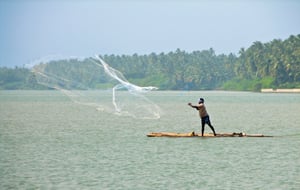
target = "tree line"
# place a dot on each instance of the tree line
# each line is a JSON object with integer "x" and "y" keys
{"x": 275, "y": 64}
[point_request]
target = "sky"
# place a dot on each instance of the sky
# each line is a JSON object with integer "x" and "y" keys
{"x": 33, "y": 29}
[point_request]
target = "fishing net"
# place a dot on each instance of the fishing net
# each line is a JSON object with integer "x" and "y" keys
{"x": 92, "y": 82}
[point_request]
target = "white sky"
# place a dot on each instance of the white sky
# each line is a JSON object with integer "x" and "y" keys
{"x": 31, "y": 29}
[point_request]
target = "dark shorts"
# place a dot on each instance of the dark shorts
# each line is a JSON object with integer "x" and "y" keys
{"x": 205, "y": 119}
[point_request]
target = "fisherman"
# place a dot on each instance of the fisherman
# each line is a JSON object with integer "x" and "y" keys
{"x": 203, "y": 115}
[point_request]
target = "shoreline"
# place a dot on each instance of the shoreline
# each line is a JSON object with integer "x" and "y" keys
{"x": 270, "y": 90}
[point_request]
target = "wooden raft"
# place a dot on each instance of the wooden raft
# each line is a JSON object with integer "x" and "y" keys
{"x": 193, "y": 134}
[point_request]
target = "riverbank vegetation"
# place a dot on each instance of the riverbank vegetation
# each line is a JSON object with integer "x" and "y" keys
{"x": 275, "y": 64}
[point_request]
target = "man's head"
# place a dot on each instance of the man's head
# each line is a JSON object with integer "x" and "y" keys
{"x": 201, "y": 100}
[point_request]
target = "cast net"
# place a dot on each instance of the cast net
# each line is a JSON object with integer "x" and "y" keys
{"x": 92, "y": 82}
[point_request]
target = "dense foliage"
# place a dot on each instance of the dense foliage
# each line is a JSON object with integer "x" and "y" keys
{"x": 177, "y": 70}
{"x": 275, "y": 64}
{"x": 18, "y": 78}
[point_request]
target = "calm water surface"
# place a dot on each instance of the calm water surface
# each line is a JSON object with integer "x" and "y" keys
{"x": 49, "y": 142}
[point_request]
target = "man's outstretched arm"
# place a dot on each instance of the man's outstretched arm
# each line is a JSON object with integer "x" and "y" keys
{"x": 196, "y": 107}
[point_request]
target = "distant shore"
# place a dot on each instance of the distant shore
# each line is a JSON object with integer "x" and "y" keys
{"x": 270, "y": 90}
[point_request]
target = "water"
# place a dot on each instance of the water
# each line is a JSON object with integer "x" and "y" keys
{"x": 49, "y": 142}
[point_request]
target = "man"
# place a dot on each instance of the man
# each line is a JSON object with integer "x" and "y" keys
{"x": 203, "y": 115}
